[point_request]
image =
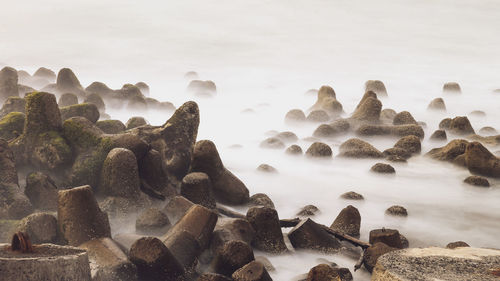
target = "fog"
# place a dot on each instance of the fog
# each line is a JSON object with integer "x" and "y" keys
{"x": 264, "y": 55}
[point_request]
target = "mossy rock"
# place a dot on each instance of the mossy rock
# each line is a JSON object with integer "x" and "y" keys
{"x": 12, "y": 125}
{"x": 96, "y": 99}
{"x": 13, "y": 104}
{"x": 111, "y": 126}
{"x": 135, "y": 122}
{"x": 87, "y": 110}
{"x": 51, "y": 151}
{"x": 81, "y": 133}
{"x": 42, "y": 113}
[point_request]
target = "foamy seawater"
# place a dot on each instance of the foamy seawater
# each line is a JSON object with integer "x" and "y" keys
{"x": 264, "y": 56}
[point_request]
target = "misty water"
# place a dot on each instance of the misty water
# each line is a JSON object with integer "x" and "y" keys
{"x": 264, "y": 56}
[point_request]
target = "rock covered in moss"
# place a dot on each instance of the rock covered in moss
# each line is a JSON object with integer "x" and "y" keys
{"x": 111, "y": 126}
{"x": 8, "y": 83}
{"x": 120, "y": 174}
{"x": 86, "y": 110}
{"x": 13, "y": 104}
{"x": 41, "y": 191}
{"x": 12, "y": 125}
{"x": 135, "y": 121}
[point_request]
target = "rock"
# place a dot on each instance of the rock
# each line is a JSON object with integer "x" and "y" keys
{"x": 265, "y": 168}
{"x": 268, "y": 235}
{"x": 457, "y": 244}
{"x": 13, "y": 203}
{"x": 40, "y": 227}
{"x": 374, "y": 252}
{"x": 108, "y": 262}
{"x": 357, "y": 148}
{"x": 477, "y": 181}
{"x": 7, "y": 229}
{"x": 410, "y": 144}
{"x": 389, "y": 237}
{"x": 176, "y": 208}
{"x": 407, "y": 130}
{"x": 318, "y": 116}
{"x": 325, "y": 272}
{"x": 153, "y": 175}
{"x": 461, "y": 126}
{"x": 95, "y": 99}
{"x": 295, "y": 116}
{"x": 231, "y": 230}
{"x": 439, "y": 135}
{"x": 213, "y": 277}
{"x": 327, "y": 101}
{"x": 261, "y": 199}
{"x": 338, "y": 127}
{"x": 79, "y": 217}
{"x": 272, "y": 143}
{"x": 348, "y": 221}
{"x": 376, "y": 86}
{"x": 86, "y": 110}
{"x": 397, "y": 153}
{"x": 202, "y": 88}
{"x": 397, "y": 210}
{"x": 481, "y": 161}
{"x": 41, "y": 191}
{"x": 67, "y": 82}
{"x": 452, "y": 88}
{"x": 67, "y": 99}
{"x": 294, "y": 150}
{"x": 477, "y": 113}
{"x": 382, "y": 168}
{"x": 437, "y": 104}
{"x": 45, "y": 73}
{"x": 8, "y": 83}
{"x": 254, "y": 271}
{"x": 351, "y": 195}
{"x": 152, "y": 221}
{"x": 319, "y": 149}
{"x": 197, "y": 188}
{"x": 368, "y": 110}
{"x": 100, "y": 89}
{"x": 310, "y": 235}
{"x": 438, "y": 264}
{"x": 111, "y": 126}
{"x": 450, "y": 151}
{"x": 184, "y": 246}
{"x": 154, "y": 261}
{"x": 226, "y": 186}
{"x": 138, "y": 103}
{"x": 143, "y": 87}
{"x": 135, "y": 121}
{"x": 12, "y": 125}
{"x": 120, "y": 174}
{"x": 404, "y": 118}
{"x": 232, "y": 256}
{"x": 489, "y": 131}
{"x": 198, "y": 221}
{"x": 13, "y": 104}
{"x": 308, "y": 211}
{"x": 287, "y": 136}
{"x": 445, "y": 124}
{"x": 387, "y": 115}
{"x": 166, "y": 106}
{"x": 324, "y": 131}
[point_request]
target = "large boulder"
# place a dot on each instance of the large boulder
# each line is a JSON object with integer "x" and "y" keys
{"x": 135, "y": 121}
{"x": 348, "y": 221}
{"x": 226, "y": 186}
{"x": 376, "y": 86}
{"x": 197, "y": 188}
{"x": 232, "y": 256}
{"x": 67, "y": 99}
{"x": 40, "y": 227}
{"x": 67, "y": 82}
{"x": 404, "y": 118}
{"x": 461, "y": 126}
{"x": 231, "y": 230}
{"x": 8, "y": 83}
{"x": 253, "y": 271}
{"x": 268, "y": 235}
{"x": 79, "y": 218}
{"x": 13, "y": 104}
{"x": 99, "y": 88}
{"x": 12, "y": 125}
{"x": 409, "y": 143}
{"x": 86, "y": 110}
{"x": 357, "y": 148}
{"x": 450, "y": 151}
{"x": 327, "y": 101}
{"x": 41, "y": 191}
{"x": 153, "y": 174}
{"x": 373, "y": 252}
{"x": 439, "y": 135}
{"x": 97, "y": 100}
{"x": 481, "y": 161}
{"x": 389, "y": 237}
{"x": 310, "y": 235}
{"x": 368, "y": 110}
{"x": 120, "y": 174}
{"x": 111, "y": 126}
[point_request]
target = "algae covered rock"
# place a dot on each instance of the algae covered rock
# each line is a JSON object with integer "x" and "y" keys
{"x": 12, "y": 125}
{"x": 135, "y": 121}
{"x": 13, "y": 104}
{"x": 87, "y": 110}
{"x": 111, "y": 126}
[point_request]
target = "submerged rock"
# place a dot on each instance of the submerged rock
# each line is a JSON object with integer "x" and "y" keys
{"x": 272, "y": 143}
{"x": 268, "y": 235}
{"x": 68, "y": 83}
{"x": 452, "y": 88}
{"x": 477, "y": 181}
{"x": 8, "y": 83}
{"x": 382, "y": 168}
{"x": 294, "y": 150}
{"x": 404, "y": 118}
{"x": 437, "y": 104}
{"x": 202, "y": 88}
{"x": 374, "y": 252}
{"x": 397, "y": 210}
{"x": 310, "y": 235}
{"x": 461, "y": 126}
{"x": 86, "y": 110}
{"x": 481, "y": 161}
{"x": 295, "y": 116}
{"x": 357, "y": 148}
{"x": 351, "y": 195}
{"x": 439, "y": 135}
{"x": 319, "y": 149}
{"x": 376, "y": 86}
{"x": 348, "y": 221}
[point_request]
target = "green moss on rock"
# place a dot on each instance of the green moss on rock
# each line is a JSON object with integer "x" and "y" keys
{"x": 12, "y": 125}
{"x": 86, "y": 110}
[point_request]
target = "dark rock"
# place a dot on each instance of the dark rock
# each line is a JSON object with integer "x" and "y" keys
{"x": 450, "y": 151}
{"x": 452, "y": 88}
{"x": 265, "y": 168}
{"x": 40, "y": 227}
{"x": 374, "y": 252}
{"x": 351, "y": 195}
{"x": 318, "y": 116}
{"x": 226, "y": 186}
{"x": 445, "y": 124}
{"x": 79, "y": 217}
{"x": 41, "y": 191}
{"x": 254, "y": 271}
{"x": 152, "y": 172}
{"x": 376, "y": 86}
{"x": 461, "y": 126}
{"x": 396, "y": 159}
{"x": 184, "y": 246}
{"x": 477, "y": 181}
{"x": 439, "y": 135}
{"x": 111, "y": 126}
{"x": 231, "y": 230}
{"x": 397, "y": 152}
{"x": 268, "y": 235}
{"x": 437, "y": 104}
{"x": 12, "y": 125}
{"x": 356, "y": 148}
{"x": 481, "y": 161}
{"x": 319, "y": 149}
{"x": 368, "y": 110}
{"x": 308, "y": 211}
{"x": 154, "y": 261}
{"x": 310, "y": 235}
{"x": 407, "y": 130}
{"x": 176, "y": 208}
{"x": 383, "y": 168}
{"x": 120, "y": 174}
{"x": 397, "y": 210}
{"x": 8, "y": 83}
{"x": 295, "y": 116}
{"x": 135, "y": 121}
{"x": 265, "y": 262}
{"x": 272, "y": 143}
{"x": 410, "y": 144}
{"x": 348, "y": 221}
{"x": 232, "y": 256}
{"x": 152, "y": 221}
{"x": 213, "y": 277}
{"x": 404, "y": 118}
{"x": 197, "y": 188}
{"x": 389, "y": 237}
{"x": 336, "y": 128}
{"x": 86, "y": 110}
{"x": 261, "y": 199}
{"x": 294, "y": 150}
{"x": 453, "y": 245}
{"x": 325, "y": 272}
{"x": 13, "y": 104}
